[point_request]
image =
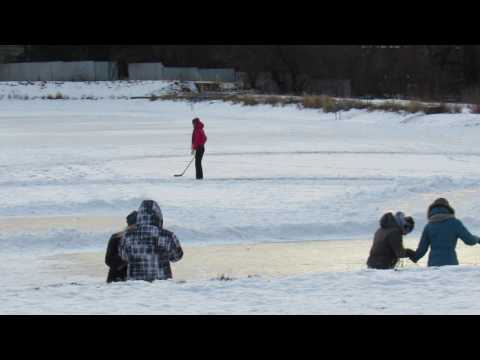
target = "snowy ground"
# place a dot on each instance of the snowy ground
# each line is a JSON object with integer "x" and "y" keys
{"x": 412, "y": 291}
{"x": 71, "y": 170}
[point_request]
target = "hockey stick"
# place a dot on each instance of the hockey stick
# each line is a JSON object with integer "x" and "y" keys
{"x": 190, "y": 163}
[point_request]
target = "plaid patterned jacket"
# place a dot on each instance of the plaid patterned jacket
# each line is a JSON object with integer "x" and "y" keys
{"x": 148, "y": 248}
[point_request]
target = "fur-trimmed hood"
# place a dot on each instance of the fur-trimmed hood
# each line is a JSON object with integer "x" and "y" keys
{"x": 440, "y": 210}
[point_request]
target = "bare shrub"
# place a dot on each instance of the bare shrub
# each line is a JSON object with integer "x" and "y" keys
{"x": 273, "y": 101}
{"x": 389, "y": 106}
{"x": 414, "y": 107}
{"x": 312, "y": 102}
{"x": 346, "y": 105}
{"x": 248, "y": 100}
{"x": 327, "y": 103}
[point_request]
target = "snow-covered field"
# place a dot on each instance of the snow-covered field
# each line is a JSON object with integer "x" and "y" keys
{"x": 70, "y": 170}
{"x": 412, "y": 291}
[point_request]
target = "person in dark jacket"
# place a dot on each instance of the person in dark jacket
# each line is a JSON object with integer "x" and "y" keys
{"x": 148, "y": 248}
{"x": 117, "y": 266}
{"x": 441, "y": 235}
{"x": 387, "y": 246}
{"x": 198, "y": 145}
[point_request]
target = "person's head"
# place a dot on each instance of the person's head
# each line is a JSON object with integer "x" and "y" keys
{"x": 406, "y": 223}
{"x": 149, "y": 213}
{"x": 195, "y": 121}
{"x": 440, "y": 205}
{"x": 409, "y": 225}
{"x": 132, "y": 218}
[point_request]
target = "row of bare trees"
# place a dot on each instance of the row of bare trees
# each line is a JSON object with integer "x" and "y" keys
{"x": 424, "y": 71}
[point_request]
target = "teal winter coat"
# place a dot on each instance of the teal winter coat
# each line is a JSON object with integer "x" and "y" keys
{"x": 441, "y": 235}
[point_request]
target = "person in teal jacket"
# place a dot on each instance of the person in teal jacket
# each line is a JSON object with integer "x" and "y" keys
{"x": 441, "y": 235}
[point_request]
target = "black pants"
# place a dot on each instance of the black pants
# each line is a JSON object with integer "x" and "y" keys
{"x": 198, "y": 161}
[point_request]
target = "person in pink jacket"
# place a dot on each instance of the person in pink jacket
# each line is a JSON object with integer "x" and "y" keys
{"x": 198, "y": 145}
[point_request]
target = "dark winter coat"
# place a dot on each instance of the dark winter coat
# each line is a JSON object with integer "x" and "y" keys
{"x": 118, "y": 266}
{"x": 387, "y": 246}
{"x": 441, "y": 235}
{"x": 198, "y": 136}
{"x": 148, "y": 248}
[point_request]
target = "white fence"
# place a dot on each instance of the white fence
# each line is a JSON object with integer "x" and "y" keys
{"x": 104, "y": 71}
{"x": 156, "y": 71}
{"x": 59, "y": 71}
{"x": 145, "y": 71}
{"x": 181, "y": 73}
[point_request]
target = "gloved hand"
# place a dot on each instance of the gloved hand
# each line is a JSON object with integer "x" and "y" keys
{"x": 193, "y": 152}
{"x": 411, "y": 255}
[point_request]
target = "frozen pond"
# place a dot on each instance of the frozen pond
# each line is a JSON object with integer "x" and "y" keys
{"x": 288, "y": 193}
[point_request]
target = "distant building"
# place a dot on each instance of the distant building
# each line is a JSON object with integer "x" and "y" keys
{"x": 10, "y": 53}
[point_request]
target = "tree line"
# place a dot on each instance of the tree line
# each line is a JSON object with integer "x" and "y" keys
{"x": 416, "y": 71}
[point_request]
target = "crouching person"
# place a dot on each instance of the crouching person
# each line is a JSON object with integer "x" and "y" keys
{"x": 148, "y": 248}
{"x": 387, "y": 248}
{"x": 117, "y": 266}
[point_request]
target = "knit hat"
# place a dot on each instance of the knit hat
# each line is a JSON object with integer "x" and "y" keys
{"x": 400, "y": 219}
{"x": 409, "y": 224}
{"x": 132, "y": 218}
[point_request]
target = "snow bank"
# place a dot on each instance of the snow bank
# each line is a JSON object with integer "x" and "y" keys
{"x": 89, "y": 90}
{"x": 448, "y": 290}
